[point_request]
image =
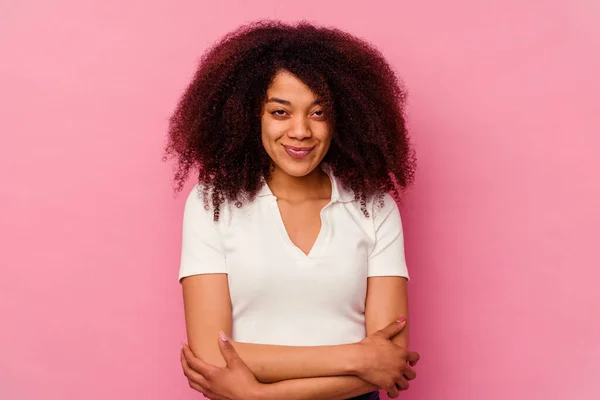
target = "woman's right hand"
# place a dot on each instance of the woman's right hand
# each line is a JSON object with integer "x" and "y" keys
{"x": 385, "y": 364}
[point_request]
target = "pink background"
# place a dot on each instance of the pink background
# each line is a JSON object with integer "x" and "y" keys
{"x": 501, "y": 226}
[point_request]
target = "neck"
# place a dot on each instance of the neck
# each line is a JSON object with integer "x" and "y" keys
{"x": 314, "y": 185}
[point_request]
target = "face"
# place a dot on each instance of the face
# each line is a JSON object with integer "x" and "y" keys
{"x": 295, "y": 132}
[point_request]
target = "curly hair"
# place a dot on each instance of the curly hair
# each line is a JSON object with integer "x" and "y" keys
{"x": 216, "y": 129}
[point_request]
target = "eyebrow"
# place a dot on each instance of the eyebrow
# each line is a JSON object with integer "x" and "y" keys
{"x": 286, "y": 102}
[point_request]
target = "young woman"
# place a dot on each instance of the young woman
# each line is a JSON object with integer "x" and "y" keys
{"x": 292, "y": 267}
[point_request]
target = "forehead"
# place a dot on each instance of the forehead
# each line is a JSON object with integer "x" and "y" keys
{"x": 288, "y": 87}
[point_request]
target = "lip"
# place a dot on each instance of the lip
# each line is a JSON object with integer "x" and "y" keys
{"x": 298, "y": 152}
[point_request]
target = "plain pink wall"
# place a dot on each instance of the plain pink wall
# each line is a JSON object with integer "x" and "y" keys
{"x": 501, "y": 226}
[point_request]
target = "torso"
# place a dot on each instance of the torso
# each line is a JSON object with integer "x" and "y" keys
{"x": 306, "y": 287}
{"x": 297, "y": 271}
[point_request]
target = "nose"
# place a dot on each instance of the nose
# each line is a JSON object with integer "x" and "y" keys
{"x": 299, "y": 129}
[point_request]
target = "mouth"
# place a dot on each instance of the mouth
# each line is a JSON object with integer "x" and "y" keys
{"x": 298, "y": 152}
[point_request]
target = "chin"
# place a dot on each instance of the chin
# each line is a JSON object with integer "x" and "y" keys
{"x": 297, "y": 169}
{"x": 297, "y": 172}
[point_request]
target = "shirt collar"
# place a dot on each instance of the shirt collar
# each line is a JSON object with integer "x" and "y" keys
{"x": 338, "y": 192}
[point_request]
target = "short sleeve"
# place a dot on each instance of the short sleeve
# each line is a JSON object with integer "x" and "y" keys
{"x": 387, "y": 256}
{"x": 201, "y": 247}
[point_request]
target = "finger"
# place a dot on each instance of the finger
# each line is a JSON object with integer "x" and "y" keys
{"x": 197, "y": 364}
{"x": 392, "y": 392}
{"x": 392, "y": 329}
{"x": 205, "y": 392}
{"x": 184, "y": 364}
{"x": 409, "y": 374}
{"x": 402, "y": 383}
{"x": 229, "y": 354}
{"x": 192, "y": 375}
{"x": 198, "y": 388}
{"x": 412, "y": 357}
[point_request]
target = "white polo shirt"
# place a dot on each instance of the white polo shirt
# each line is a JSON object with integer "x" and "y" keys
{"x": 280, "y": 295}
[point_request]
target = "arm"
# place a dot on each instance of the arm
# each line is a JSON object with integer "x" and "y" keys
{"x": 387, "y": 295}
{"x": 386, "y": 299}
{"x": 208, "y": 311}
{"x": 330, "y": 388}
{"x": 236, "y": 381}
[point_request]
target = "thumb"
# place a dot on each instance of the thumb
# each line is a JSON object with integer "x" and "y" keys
{"x": 392, "y": 329}
{"x": 227, "y": 350}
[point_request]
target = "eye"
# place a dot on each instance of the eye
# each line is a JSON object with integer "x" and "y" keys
{"x": 279, "y": 113}
{"x": 319, "y": 113}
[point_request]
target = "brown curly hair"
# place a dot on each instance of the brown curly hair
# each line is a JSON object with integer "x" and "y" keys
{"x": 216, "y": 125}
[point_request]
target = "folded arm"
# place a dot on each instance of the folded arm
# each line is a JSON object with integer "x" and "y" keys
{"x": 319, "y": 372}
{"x": 386, "y": 300}
{"x": 208, "y": 311}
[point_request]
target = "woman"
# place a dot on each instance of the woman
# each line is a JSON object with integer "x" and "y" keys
{"x": 292, "y": 266}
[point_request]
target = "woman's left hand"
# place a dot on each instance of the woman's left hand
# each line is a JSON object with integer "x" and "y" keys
{"x": 233, "y": 382}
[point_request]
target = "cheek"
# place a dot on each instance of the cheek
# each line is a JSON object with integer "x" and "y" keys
{"x": 269, "y": 130}
{"x": 269, "y": 137}
{"x": 324, "y": 135}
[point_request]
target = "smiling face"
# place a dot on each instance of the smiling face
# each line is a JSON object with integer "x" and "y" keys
{"x": 294, "y": 130}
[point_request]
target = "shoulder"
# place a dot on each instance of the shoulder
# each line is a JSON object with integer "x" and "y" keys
{"x": 378, "y": 206}
{"x": 375, "y": 205}
{"x": 382, "y": 205}
{"x": 199, "y": 205}
{"x": 199, "y": 209}
{"x": 198, "y": 201}
{"x": 386, "y": 217}
{"x": 383, "y": 213}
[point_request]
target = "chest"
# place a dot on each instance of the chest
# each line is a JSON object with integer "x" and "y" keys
{"x": 302, "y": 222}
{"x": 313, "y": 258}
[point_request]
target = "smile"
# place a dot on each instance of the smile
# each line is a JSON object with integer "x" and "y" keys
{"x": 298, "y": 152}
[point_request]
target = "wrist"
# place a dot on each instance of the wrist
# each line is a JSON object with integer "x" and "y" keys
{"x": 355, "y": 359}
{"x": 259, "y": 392}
